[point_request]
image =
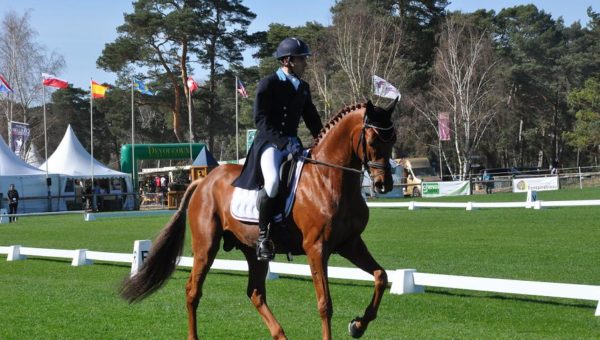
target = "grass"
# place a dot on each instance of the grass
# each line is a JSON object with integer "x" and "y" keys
{"x": 49, "y": 299}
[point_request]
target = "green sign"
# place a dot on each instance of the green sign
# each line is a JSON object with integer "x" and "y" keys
{"x": 250, "y": 133}
{"x": 431, "y": 189}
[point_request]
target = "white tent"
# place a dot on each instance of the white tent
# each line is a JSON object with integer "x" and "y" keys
{"x": 29, "y": 181}
{"x": 32, "y": 157}
{"x": 72, "y": 160}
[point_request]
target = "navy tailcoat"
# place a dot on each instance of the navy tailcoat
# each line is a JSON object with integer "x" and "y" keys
{"x": 277, "y": 111}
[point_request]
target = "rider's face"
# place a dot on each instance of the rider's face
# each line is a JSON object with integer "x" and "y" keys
{"x": 298, "y": 64}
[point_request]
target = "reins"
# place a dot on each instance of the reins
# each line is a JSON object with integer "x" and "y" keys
{"x": 366, "y": 163}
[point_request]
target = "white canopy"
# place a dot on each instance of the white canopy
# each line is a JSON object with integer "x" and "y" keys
{"x": 13, "y": 165}
{"x": 29, "y": 181}
{"x": 71, "y": 159}
{"x": 33, "y": 157}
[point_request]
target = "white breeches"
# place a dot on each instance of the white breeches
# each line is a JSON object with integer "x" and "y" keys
{"x": 270, "y": 161}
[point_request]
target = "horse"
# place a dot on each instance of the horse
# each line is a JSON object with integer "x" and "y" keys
{"x": 328, "y": 216}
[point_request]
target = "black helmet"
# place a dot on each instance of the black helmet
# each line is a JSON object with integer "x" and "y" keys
{"x": 293, "y": 47}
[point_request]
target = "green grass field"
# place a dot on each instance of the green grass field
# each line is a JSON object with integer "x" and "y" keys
{"x": 49, "y": 299}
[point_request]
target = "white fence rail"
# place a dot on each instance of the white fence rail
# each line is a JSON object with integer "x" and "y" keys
{"x": 412, "y": 205}
{"x": 403, "y": 281}
{"x": 537, "y": 205}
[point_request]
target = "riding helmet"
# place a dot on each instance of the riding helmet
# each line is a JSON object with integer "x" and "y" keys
{"x": 293, "y": 47}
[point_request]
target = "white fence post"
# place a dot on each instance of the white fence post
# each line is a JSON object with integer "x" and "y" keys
{"x": 597, "y": 310}
{"x": 79, "y": 258}
{"x": 3, "y": 216}
{"x": 14, "y": 253}
{"x": 141, "y": 248}
{"x": 403, "y": 282}
{"x": 271, "y": 275}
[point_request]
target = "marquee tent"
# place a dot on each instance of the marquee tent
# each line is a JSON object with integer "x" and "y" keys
{"x": 72, "y": 160}
{"x": 29, "y": 181}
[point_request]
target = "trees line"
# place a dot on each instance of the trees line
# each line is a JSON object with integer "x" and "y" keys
{"x": 520, "y": 88}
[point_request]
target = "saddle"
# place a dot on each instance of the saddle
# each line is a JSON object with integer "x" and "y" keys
{"x": 243, "y": 202}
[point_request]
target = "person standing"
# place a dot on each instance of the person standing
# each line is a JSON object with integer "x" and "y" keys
{"x": 13, "y": 202}
{"x": 282, "y": 98}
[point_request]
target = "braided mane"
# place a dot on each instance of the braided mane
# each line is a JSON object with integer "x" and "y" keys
{"x": 335, "y": 119}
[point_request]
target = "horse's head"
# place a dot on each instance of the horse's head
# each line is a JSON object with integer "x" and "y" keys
{"x": 378, "y": 138}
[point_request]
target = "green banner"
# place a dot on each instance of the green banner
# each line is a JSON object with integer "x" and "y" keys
{"x": 437, "y": 189}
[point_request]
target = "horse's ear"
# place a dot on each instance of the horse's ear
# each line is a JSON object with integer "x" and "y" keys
{"x": 392, "y": 106}
{"x": 370, "y": 108}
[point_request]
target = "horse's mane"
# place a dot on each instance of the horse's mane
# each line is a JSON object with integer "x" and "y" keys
{"x": 335, "y": 119}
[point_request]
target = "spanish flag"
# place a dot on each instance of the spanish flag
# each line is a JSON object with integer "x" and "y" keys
{"x": 98, "y": 90}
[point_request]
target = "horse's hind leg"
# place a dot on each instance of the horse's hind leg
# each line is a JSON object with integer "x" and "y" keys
{"x": 357, "y": 253}
{"x": 205, "y": 250}
{"x": 256, "y": 291}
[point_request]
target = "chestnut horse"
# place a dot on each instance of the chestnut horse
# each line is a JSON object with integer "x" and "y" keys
{"x": 328, "y": 216}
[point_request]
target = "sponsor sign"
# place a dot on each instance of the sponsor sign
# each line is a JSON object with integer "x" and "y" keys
{"x": 438, "y": 189}
{"x": 535, "y": 184}
{"x": 19, "y": 133}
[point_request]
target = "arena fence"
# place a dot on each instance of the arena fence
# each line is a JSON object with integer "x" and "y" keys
{"x": 403, "y": 281}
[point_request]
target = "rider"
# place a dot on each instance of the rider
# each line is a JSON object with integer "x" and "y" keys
{"x": 281, "y": 99}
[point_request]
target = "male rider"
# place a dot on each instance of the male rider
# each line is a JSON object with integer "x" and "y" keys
{"x": 282, "y": 99}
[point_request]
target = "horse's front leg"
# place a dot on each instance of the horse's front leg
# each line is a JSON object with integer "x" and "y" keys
{"x": 357, "y": 253}
{"x": 257, "y": 292}
{"x": 317, "y": 259}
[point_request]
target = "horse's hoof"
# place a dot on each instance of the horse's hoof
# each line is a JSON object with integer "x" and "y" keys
{"x": 353, "y": 330}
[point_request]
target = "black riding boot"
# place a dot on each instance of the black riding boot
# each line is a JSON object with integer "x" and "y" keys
{"x": 266, "y": 209}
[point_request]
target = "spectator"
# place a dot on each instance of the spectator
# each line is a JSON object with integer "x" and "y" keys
{"x": 554, "y": 170}
{"x": 489, "y": 182}
{"x": 13, "y": 202}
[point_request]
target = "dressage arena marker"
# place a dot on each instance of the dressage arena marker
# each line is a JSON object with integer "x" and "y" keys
{"x": 403, "y": 281}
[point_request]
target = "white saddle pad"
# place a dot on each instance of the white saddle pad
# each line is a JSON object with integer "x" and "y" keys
{"x": 243, "y": 203}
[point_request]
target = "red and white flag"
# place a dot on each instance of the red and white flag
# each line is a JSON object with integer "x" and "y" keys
{"x": 192, "y": 85}
{"x": 444, "y": 126}
{"x": 50, "y": 80}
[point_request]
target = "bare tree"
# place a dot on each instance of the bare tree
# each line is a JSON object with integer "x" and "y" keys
{"x": 22, "y": 61}
{"x": 365, "y": 43}
{"x": 462, "y": 85}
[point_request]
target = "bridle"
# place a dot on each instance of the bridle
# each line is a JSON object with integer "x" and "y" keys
{"x": 366, "y": 163}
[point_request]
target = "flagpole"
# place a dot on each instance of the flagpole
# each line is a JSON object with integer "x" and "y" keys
{"x": 92, "y": 144}
{"x": 133, "y": 180}
{"x": 237, "y": 147}
{"x": 46, "y": 149}
{"x": 190, "y": 121}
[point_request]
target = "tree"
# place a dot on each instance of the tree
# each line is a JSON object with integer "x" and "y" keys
{"x": 586, "y": 103}
{"x": 223, "y": 37}
{"x": 158, "y": 35}
{"x": 365, "y": 42}
{"x": 22, "y": 61}
{"x": 462, "y": 86}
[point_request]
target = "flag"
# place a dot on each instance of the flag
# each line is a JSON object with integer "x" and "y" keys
{"x": 4, "y": 87}
{"x": 98, "y": 90}
{"x": 139, "y": 86}
{"x": 444, "y": 126}
{"x": 242, "y": 89}
{"x": 192, "y": 85}
{"x": 384, "y": 89}
{"x": 50, "y": 80}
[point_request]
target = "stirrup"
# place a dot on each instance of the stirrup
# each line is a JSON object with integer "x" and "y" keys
{"x": 265, "y": 250}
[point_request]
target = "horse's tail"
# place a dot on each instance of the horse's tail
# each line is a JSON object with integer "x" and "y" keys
{"x": 163, "y": 256}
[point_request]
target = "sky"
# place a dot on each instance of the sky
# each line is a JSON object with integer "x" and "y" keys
{"x": 79, "y": 29}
